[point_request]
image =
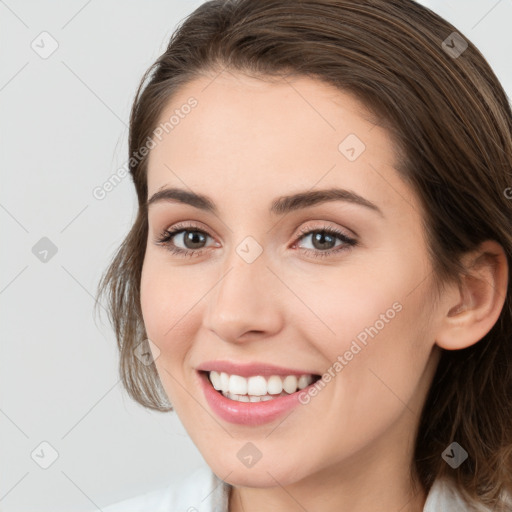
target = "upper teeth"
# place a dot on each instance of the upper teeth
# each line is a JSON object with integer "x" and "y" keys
{"x": 258, "y": 385}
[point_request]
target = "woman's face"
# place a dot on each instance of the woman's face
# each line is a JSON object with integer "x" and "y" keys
{"x": 263, "y": 285}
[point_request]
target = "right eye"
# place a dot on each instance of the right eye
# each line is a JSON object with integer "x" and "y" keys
{"x": 183, "y": 235}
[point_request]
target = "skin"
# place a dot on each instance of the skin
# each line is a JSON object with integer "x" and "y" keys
{"x": 246, "y": 143}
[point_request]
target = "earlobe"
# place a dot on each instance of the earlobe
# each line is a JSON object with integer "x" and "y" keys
{"x": 475, "y": 307}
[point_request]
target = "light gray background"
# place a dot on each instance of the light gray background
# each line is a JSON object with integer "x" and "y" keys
{"x": 63, "y": 132}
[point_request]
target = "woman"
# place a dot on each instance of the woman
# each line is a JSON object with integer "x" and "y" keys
{"x": 317, "y": 280}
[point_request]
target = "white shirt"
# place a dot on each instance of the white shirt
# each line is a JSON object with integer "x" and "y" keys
{"x": 203, "y": 491}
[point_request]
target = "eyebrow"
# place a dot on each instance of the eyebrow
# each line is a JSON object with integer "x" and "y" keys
{"x": 280, "y": 206}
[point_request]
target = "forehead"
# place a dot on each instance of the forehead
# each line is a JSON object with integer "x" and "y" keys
{"x": 263, "y": 136}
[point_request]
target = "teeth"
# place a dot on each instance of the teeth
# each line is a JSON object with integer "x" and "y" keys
{"x": 304, "y": 381}
{"x": 258, "y": 386}
{"x": 290, "y": 384}
{"x": 224, "y": 381}
{"x": 216, "y": 381}
{"x": 274, "y": 385}
{"x": 246, "y": 398}
{"x": 237, "y": 385}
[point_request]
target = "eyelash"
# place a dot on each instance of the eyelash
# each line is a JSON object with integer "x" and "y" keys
{"x": 165, "y": 239}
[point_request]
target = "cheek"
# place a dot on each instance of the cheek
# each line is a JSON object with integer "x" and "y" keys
{"x": 370, "y": 316}
{"x": 385, "y": 347}
{"x": 167, "y": 305}
{"x": 345, "y": 303}
{"x": 153, "y": 299}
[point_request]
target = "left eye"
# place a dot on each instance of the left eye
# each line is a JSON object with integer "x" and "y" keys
{"x": 321, "y": 239}
{"x": 193, "y": 240}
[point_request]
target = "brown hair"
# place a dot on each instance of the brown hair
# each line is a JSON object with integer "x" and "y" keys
{"x": 451, "y": 123}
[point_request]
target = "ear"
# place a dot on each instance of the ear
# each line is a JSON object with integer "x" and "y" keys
{"x": 471, "y": 310}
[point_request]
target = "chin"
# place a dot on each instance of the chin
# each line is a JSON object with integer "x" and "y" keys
{"x": 259, "y": 476}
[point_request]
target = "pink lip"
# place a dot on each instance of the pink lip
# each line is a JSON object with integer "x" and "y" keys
{"x": 251, "y": 369}
{"x": 247, "y": 413}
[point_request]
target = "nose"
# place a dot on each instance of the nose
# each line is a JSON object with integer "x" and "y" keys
{"x": 245, "y": 304}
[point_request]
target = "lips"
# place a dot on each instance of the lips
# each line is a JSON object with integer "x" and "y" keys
{"x": 251, "y": 410}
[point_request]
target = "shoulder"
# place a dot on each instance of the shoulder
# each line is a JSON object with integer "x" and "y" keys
{"x": 444, "y": 496}
{"x": 199, "y": 491}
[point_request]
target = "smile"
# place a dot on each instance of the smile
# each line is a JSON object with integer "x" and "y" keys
{"x": 253, "y": 400}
